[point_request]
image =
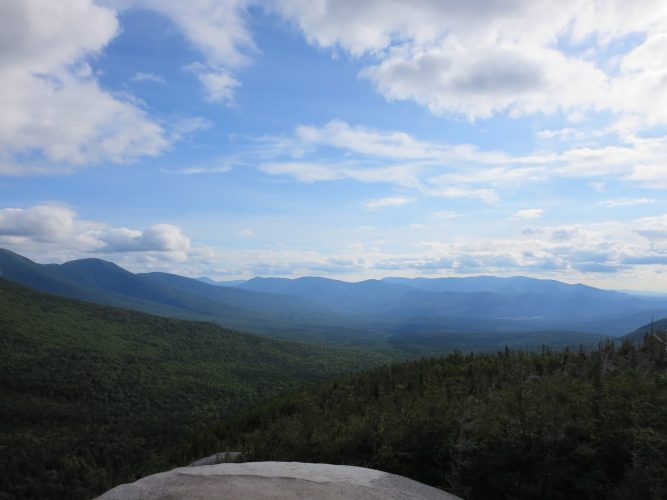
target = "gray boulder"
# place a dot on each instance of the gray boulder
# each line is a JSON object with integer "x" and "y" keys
{"x": 275, "y": 480}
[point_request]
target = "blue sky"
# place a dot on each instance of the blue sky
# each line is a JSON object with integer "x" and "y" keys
{"x": 232, "y": 138}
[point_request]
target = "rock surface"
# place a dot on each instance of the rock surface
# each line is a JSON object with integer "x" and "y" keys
{"x": 218, "y": 458}
{"x": 275, "y": 480}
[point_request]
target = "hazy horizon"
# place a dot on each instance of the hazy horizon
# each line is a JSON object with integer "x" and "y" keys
{"x": 352, "y": 280}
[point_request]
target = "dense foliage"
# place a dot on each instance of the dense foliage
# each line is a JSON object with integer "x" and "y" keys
{"x": 513, "y": 425}
{"x": 92, "y": 396}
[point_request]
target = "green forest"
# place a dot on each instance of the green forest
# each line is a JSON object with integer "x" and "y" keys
{"x": 515, "y": 425}
{"x": 93, "y": 396}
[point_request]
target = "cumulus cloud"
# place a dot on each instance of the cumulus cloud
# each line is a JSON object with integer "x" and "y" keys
{"x": 477, "y": 59}
{"x": 481, "y": 82}
{"x": 156, "y": 238}
{"x": 474, "y": 59}
{"x": 49, "y": 225}
{"x": 55, "y": 115}
{"x": 41, "y": 222}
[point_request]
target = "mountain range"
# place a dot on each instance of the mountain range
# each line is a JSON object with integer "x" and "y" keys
{"x": 416, "y": 314}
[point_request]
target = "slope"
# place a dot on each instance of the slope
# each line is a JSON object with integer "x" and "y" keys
{"x": 103, "y": 282}
{"x": 544, "y": 425}
{"x": 92, "y": 395}
{"x": 658, "y": 327}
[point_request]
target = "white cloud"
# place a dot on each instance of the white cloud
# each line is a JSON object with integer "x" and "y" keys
{"x": 337, "y": 150}
{"x": 217, "y": 29}
{"x": 41, "y": 222}
{"x": 486, "y": 80}
{"x": 375, "y": 143}
{"x": 390, "y": 201}
{"x": 55, "y": 117}
{"x": 650, "y": 176}
{"x": 219, "y": 86}
{"x": 55, "y": 225}
{"x": 481, "y": 58}
{"x": 366, "y": 141}
{"x": 156, "y": 238}
{"x": 529, "y": 213}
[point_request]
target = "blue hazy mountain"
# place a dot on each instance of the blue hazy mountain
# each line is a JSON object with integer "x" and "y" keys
{"x": 364, "y": 297}
{"x": 103, "y": 282}
{"x": 495, "y": 284}
{"x": 368, "y": 312}
{"x": 474, "y": 304}
{"x": 209, "y": 281}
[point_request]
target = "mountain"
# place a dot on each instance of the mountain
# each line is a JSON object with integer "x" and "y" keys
{"x": 170, "y": 295}
{"x": 548, "y": 425}
{"x": 209, "y": 281}
{"x": 477, "y": 304}
{"x": 494, "y": 284}
{"x": 658, "y": 327}
{"x": 370, "y": 297}
{"x": 93, "y": 395}
{"x": 383, "y": 314}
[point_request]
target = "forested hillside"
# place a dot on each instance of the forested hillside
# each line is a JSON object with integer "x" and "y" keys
{"x": 512, "y": 425}
{"x": 650, "y": 328}
{"x": 92, "y": 396}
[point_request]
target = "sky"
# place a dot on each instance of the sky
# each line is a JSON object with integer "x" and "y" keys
{"x": 349, "y": 139}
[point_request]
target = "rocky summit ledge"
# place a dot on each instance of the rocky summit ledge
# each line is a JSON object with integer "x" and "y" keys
{"x": 275, "y": 480}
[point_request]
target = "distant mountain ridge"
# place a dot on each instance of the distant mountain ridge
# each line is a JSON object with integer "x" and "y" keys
{"x": 388, "y": 312}
{"x": 209, "y": 281}
{"x": 474, "y": 303}
{"x": 103, "y": 282}
{"x": 495, "y": 284}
